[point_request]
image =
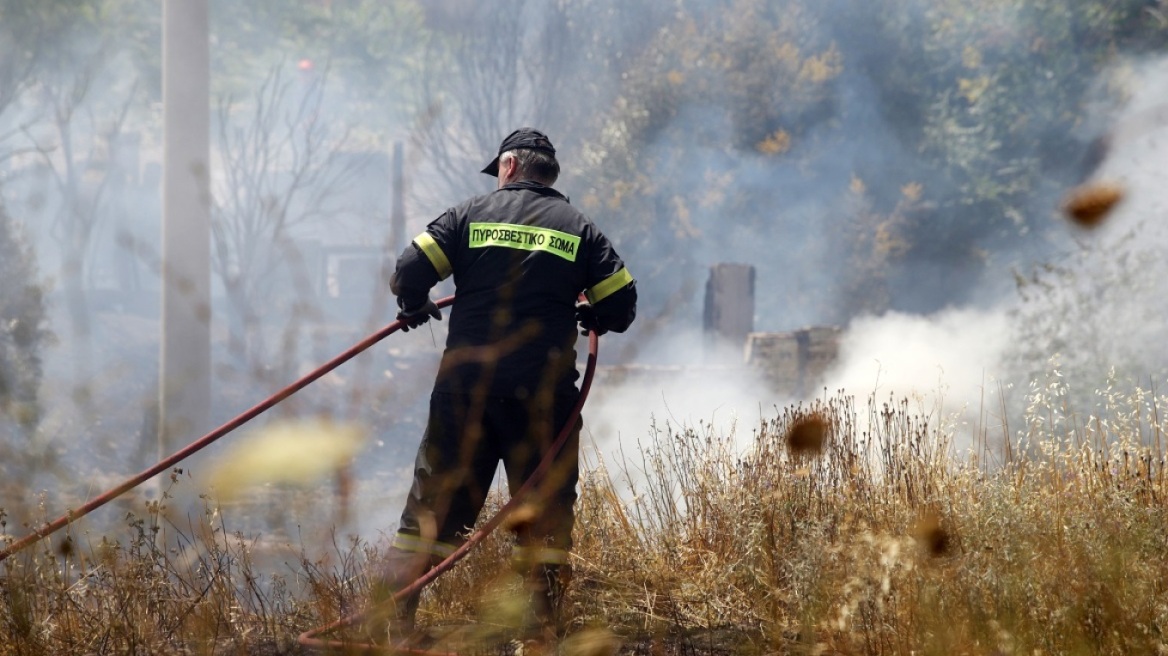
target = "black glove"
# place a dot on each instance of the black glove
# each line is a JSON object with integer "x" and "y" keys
{"x": 412, "y": 318}
{"x": 586, "y": 315}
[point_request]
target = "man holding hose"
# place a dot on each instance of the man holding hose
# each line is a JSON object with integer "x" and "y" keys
{"x": 520, "y": 257}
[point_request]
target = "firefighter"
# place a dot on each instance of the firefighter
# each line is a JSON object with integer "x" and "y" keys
{"x": 520, "y": 257}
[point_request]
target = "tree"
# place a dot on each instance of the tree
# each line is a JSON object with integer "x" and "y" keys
{"x": 372, "y": 49}
{"x": 282, "y": 164}
{"x": 72, "y": 113}
{"x": 78, "y": 148}
{"x": 20, "y": 58}
{"x": 699, "y": 158}
{"x": 491, "y": 67}
{"x": 995, "y": 101}
{"x": 503, "y": 70}
{"x": 23, "y": 333}
{"x": 738, "y": 132}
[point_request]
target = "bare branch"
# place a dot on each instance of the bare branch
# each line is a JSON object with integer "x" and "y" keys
{"x": 280, "y": 171}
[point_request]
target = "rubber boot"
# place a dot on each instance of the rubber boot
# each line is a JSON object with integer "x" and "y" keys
{"x": 401, "y": 568}
{"x": 546, "y": 585}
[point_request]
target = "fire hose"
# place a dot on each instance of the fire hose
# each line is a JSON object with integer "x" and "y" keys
{"x": 310, "y": 638}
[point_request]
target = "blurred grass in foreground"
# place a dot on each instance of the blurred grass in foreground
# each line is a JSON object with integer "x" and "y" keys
{"x": 881, "y": 539}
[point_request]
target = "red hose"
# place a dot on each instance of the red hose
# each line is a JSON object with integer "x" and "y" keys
{"x": 130, "y": 483}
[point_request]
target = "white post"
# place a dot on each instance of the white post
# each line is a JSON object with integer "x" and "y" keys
{"x": 185, "y": 364}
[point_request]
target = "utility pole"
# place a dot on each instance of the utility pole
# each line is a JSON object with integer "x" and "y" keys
{"x": 185, "y": 362}
{"x": 397, "y": 214}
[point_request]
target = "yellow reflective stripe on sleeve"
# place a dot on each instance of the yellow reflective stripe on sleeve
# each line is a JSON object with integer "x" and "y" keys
{"x": 415, "y": 544}
{"x": 609, "y": 286}
{"x": 541, "y": 555}
{"x": 434, "y": 253}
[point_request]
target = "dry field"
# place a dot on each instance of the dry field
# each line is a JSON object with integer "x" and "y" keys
{"x": 840, "y": 530}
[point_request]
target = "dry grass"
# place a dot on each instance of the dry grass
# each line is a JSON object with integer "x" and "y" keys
{"x": 134, "y": 594}
{"x": 885, "y": 542}
{"x": 888, "y": 542}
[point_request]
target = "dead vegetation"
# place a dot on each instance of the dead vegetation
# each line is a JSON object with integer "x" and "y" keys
{"x": 1090, "y": 205}
{"x": 885, "y": 542}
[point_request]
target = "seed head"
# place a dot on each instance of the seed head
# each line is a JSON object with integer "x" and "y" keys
{"x": 931, "y": 535}
{"x": 1089, "y": 205}
{"x": 522, "y": 517}
{"x": 591, "y": 642}
{"x": 807, "y": 434}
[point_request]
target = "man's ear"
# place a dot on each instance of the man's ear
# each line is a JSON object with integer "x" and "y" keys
{"x": 509, "y": 165}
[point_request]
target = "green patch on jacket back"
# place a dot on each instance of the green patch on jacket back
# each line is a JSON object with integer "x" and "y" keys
{"x": 527, "y": 238}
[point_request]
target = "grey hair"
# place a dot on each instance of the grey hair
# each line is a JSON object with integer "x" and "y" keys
{"x": 536, "y": 165}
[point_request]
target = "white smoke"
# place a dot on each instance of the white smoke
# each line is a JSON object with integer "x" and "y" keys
{"x": 1135, "y": 158}
{"x": 696, "y": 388}
{"x": 1095, "y": 306}
{"x": 949, "y": 365}
{"x": 1101, "y": 305}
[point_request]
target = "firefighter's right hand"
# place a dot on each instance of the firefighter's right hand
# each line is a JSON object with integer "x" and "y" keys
{"x": 412, "y": 318}
{"x": 586, "y": 316}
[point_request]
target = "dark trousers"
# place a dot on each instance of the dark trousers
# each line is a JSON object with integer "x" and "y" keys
{"x": 465, "y": 440}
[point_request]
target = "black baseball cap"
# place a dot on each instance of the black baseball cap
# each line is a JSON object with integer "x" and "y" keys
{"x": 528, "y": 138}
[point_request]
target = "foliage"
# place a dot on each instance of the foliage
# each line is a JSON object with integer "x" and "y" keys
{"x": 998, "y": 99}
{"x": 990, "y": 112}
{"x": 372, "y": 50}
{"x": 1010, "y": 86}
{"x": 876, "y": 242}
{"x": 688, "y": 166}
{"x": 23, "y": 335}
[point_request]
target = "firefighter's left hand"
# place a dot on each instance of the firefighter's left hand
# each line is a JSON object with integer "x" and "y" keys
{"x": 412, "y": 318}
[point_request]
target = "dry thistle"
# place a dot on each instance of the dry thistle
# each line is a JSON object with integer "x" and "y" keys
{"x": 297, "y": 452}
{"x": 65, "y": 547}
{"x": 591, "y": 642}
{"x": 807, "y": 434}
{"x": 931, "y": 535}
{"x": 522, "y": 517}
{"x": 1089, "y": 205}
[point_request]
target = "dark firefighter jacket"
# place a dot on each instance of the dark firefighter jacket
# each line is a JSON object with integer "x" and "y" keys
{"x": 520, "y": 257}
